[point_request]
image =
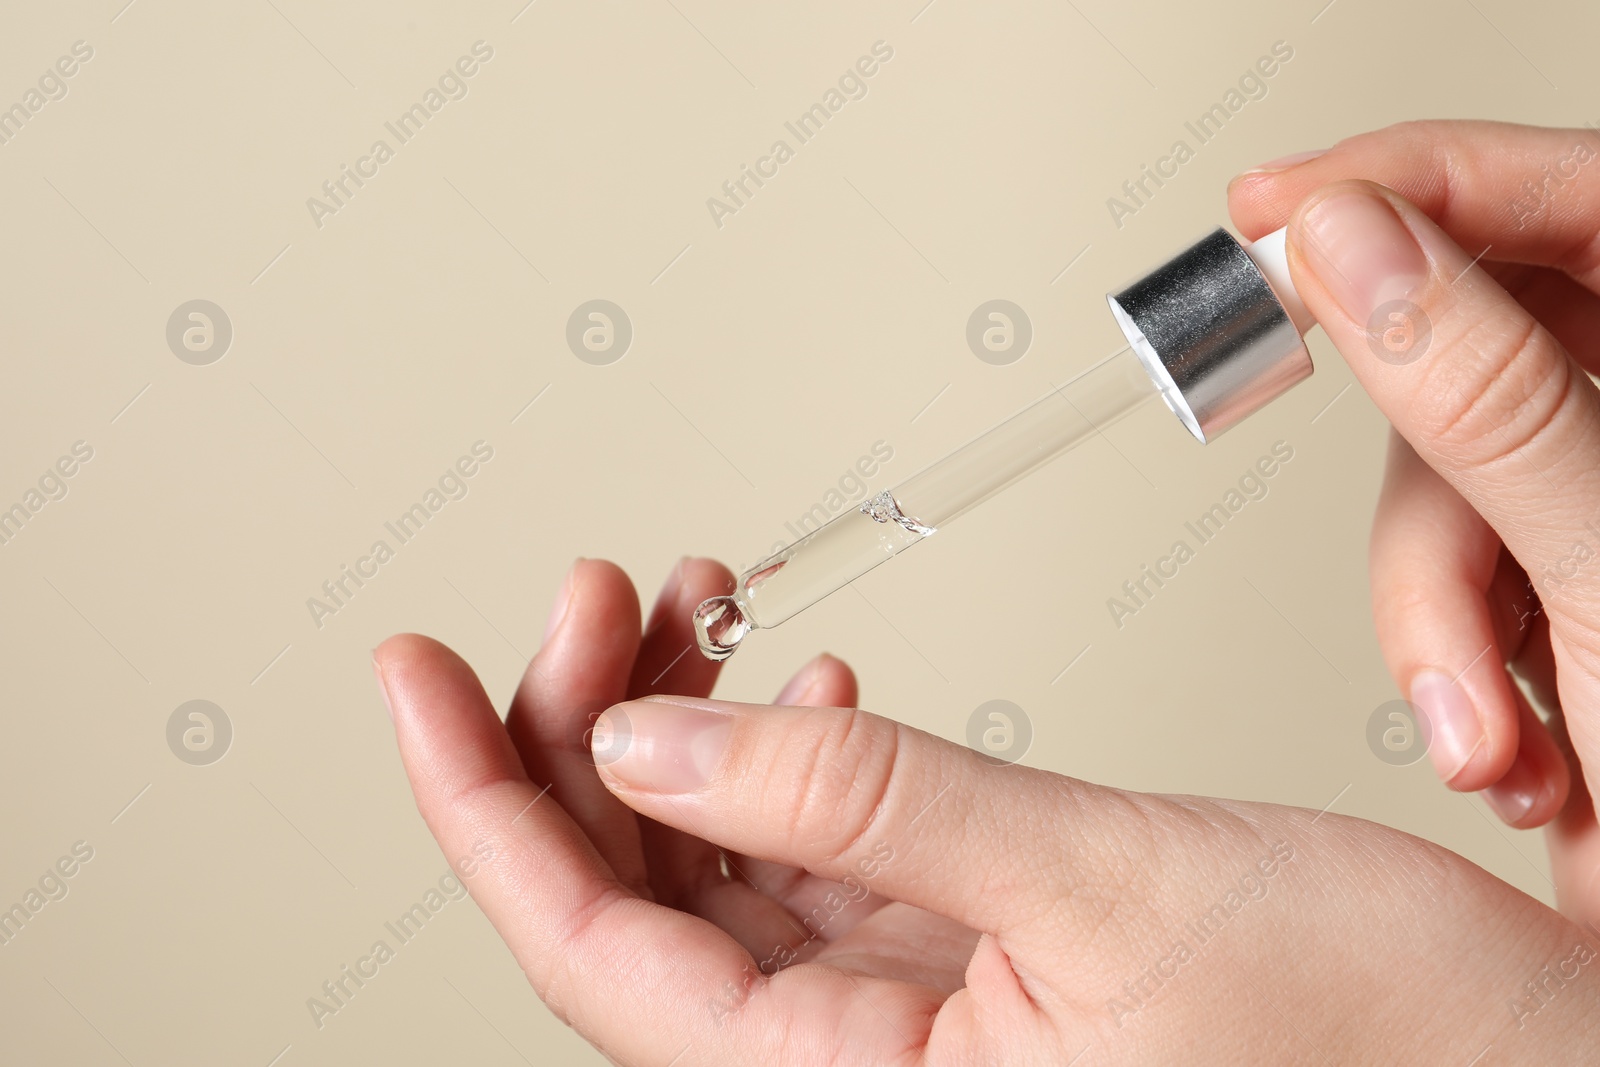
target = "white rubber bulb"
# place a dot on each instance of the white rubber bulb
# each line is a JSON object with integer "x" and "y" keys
{"x": 1272, "y": 257}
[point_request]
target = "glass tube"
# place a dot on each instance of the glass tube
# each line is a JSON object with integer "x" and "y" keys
{"x": 854, "y": 542}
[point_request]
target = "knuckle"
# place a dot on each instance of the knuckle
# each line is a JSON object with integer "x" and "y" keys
{"x": 1399, "y": 602}
{"x": 562, "y": 976}
{"x": 1496, "y": 393}
{"x": 1412, "y": 134}
{"x": 845, "y": 763}
{"x": 1110, "y": 877}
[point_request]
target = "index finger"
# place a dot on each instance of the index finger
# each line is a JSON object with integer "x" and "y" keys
{"x": 1531, "y": 194}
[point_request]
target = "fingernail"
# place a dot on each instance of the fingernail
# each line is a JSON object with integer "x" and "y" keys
{"x": 558, "y": 611}
{"x": 1282, "y": 163}
{"x": 1454, "y": 729}
{"x": 383, "y": 686}
{"x": 1513, "y": 796}
{"x": 799, "y": 687}
{"x": 1362, "y": 252}
{"x": 661, "y": 747}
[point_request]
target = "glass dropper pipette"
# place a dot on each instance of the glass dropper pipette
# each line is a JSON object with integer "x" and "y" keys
{"x": 854, "y": 542}
{"x": 1216, "y": 332}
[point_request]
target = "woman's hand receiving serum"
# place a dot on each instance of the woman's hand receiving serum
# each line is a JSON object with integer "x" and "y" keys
{"x": 1456, "y": 265}
{"x": 691, "y": 881}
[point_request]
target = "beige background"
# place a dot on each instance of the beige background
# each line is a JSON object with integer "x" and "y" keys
{"x": 768, "y": 355}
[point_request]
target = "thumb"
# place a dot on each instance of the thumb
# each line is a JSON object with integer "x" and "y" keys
{"x": 865, "y": 801}
{"x": 1481, "y": 390}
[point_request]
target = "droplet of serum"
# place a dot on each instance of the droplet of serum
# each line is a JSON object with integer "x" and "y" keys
{"x": 719, "y": 626}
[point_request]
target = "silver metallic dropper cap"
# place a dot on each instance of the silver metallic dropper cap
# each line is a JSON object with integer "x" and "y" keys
{"x": 1214, "y": 334}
